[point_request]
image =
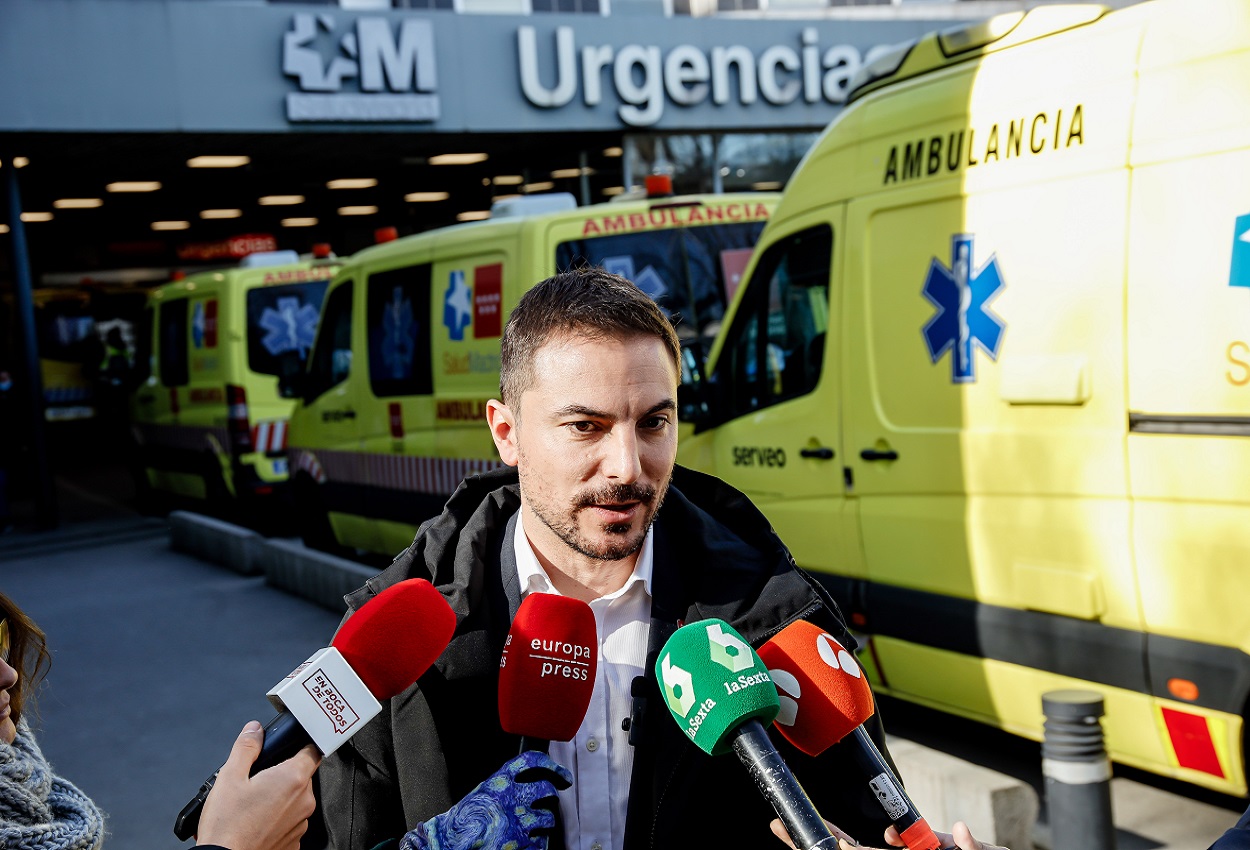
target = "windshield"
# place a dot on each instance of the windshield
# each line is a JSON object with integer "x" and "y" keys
{"x": 691, "y": 272}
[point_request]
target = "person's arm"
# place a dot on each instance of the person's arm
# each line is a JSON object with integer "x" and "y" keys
{"x": 268, "y": 811}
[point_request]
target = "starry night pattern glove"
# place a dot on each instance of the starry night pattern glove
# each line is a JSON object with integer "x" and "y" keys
{"x": 512, "y": 810}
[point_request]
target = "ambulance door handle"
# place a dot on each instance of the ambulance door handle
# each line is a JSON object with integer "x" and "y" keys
{"x": 822, "y": 453}
{"x": 876, "y": 454}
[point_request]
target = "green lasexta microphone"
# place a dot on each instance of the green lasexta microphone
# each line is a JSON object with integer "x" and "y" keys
{"x": 721, "y": 696}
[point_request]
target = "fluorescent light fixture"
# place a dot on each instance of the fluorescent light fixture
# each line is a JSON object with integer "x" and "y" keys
{"x": 134, "y": 186}
{"x": 358, "y": 210}
{"x": 221, "y": 213}
{"x": 767, "y": 186}
{"x": 4, "y": 228}
{"x": 509, "y": 180}
{"x": 561, "y": 173}
{"x": 542, "y": 186}
{"x": 457, "y": 158}
{"x": 422, "y": 197}
{"x": 614, "y": 190}
{"x": 613, "y": 152}
{"x": 36, "y": 216}
{"x": 299, "y": 222}
{"x": 352, "y": 183}
{"x": 78, "y": 203}
{"x": 171, "y": 225}
{"x": 218, "y": 161}
{"x": 473, "y": 215}
{"x": 20, "y": 162}
{"x": 280, "y": 200}
{"x": 497, "y": 198}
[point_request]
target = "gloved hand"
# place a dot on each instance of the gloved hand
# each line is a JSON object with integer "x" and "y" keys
{"x": 512, "y": 810}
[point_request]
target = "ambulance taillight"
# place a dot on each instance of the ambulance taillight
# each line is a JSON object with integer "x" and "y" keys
{"x": 237, "y": 425}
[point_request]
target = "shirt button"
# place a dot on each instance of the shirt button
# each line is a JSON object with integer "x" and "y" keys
{"x": 592, "y": 745}
{"x": 596, "y": 846}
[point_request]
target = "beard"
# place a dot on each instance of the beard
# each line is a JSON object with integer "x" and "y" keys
{"x": 623, "y": 540}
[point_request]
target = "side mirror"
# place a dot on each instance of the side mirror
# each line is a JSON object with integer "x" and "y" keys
{"x": 692, "y": 391}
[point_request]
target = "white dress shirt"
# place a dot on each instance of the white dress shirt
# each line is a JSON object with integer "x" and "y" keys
{"x": 600, "y": 757}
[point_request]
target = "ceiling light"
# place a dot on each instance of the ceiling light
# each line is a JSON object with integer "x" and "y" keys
{"x": 19, "y": 162}
{"x": 419, "y": 197}
{"x": 218, "y": 161}
{"x": 767, "y": 186}
{"x": 134, "y": 186}
{"x": 509, "y": 180}
{"x": 457, "y": 158}
{"x": 538, "y": 187}
{"x": 280, "y": 200}
{"x": 36, "y": 216}
{"x": 473, "y": 215}
{"x": 352, "y": 183}
{"x": 171, "y": 225}
{"x": 613, "y": 152}
{"x": 221, "y": 213}
{"x": 497, "y": 198}
{"x": 78, "y": 203}
{"x": 614, "y": 190}
{"x": 4, "y": 228}
{"x": 360, "y": 210}
{"x": 562, "y": 173}
{"x": 299, "y": 222}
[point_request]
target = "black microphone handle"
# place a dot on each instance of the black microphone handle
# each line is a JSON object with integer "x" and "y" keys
{"x": 284, "y": 737}
{"x": 897, "y": 805}
{"x": 775, "y": 781}
{"x": 542, "y": 745}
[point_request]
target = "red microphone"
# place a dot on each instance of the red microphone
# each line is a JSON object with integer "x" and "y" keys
{"x": 382, "y": 649}
{"x": 824, "y": 699}
{"x": 547, "y": 671}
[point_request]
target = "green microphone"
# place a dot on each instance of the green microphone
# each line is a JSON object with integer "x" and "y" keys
{"x": 721, "y": 695}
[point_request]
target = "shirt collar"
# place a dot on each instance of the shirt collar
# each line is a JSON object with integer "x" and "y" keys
{"x": 534, "y": 579}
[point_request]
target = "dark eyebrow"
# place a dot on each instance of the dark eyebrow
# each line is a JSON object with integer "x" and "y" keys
{"x": 665, "y": 406}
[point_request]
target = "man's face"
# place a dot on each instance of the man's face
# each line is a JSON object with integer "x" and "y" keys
{"x": 594, "y": 443}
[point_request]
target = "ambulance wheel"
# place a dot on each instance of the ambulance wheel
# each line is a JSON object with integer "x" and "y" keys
{"x": 311, "y": 518}
{"x": 216, "y": 493}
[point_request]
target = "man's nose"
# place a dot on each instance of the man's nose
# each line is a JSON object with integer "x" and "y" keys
{"x": 622, "y": 463}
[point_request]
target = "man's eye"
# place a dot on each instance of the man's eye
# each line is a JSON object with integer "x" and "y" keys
{"x": 655, "y": 423}
{"x": 583, "y": 427}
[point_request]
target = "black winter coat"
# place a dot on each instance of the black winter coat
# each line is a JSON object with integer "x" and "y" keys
{"x": 715, "y": 556}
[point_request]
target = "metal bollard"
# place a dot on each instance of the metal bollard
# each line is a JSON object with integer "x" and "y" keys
{"x": 1077, "y": 772}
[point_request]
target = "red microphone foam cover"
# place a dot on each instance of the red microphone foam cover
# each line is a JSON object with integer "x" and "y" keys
{"x": 548, "y": 668}
{"x": 824, "y": 694}
{"x": 396, "y": 636}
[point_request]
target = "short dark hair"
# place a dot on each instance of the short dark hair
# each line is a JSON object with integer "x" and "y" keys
{"x": 587, "y": 301}
{"x": 28, "y": 654}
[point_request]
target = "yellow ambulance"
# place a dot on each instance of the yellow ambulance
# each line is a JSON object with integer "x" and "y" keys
{"x": 207, "y": 419}
{"x": 989, "y": 373}
{"x": 392, "y": 410}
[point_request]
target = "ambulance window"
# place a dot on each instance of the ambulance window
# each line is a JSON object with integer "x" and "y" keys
{"x": 684, "y": 269}
{"x": 281, "y": 325}
{"x": 399, "y": 332}
{"x": 331, "y": 360}
{"x": 775, "y": 349}
{"x": 173, "y": 342}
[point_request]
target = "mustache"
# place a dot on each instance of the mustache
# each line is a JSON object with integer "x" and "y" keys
{"x": 616, "y": 494}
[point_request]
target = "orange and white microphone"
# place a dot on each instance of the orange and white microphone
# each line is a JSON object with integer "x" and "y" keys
{"x": 824, "y": 700}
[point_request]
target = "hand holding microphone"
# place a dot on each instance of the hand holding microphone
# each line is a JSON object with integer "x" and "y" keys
{"x": 381, "y": 650}
{"x": 720, "y": 693}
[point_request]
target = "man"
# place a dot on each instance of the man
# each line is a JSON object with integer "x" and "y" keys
{"x": 594, "y": 509}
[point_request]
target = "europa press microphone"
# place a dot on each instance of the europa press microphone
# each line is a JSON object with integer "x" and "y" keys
{"x": 721, "y": 695}
{"x": 547, "y": 671}
{"x": 825, "y": 699}
{"x": 382, "y": 649}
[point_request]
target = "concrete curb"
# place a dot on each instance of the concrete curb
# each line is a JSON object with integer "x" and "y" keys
{"x": 316, "y": 576}
{"x": 997, "y": 808}
{"x": 211, "y": 539}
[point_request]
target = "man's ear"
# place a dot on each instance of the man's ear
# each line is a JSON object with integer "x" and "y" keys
{"x": 502, "y": 426}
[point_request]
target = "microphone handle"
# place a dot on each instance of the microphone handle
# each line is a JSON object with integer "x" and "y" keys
{"x": 284, "y": 737}
{"x": 777, "y": 783}
{"x": 886, "y": 787}
{"x": 542, "y": 745}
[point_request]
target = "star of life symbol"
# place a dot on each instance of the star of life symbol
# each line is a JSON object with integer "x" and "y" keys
{"x": 961, "y": 295}
{"x": 197, "y": 324}
{"x": 457, "y": 305}
{"x": 290, "y": 327}
{"x": 399, "y": 335}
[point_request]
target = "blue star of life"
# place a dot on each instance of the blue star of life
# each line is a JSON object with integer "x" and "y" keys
{"x": 457, "y": 306}
{"x": 961, "y": 295}
{"x": 290, "y": 327}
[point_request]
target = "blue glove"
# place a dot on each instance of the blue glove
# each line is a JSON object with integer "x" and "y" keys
{"x": 512, "y": 810}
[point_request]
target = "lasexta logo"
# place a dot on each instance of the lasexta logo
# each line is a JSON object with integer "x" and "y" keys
{"x": 678, "y": 687}
{"x": 728, "y": 651}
